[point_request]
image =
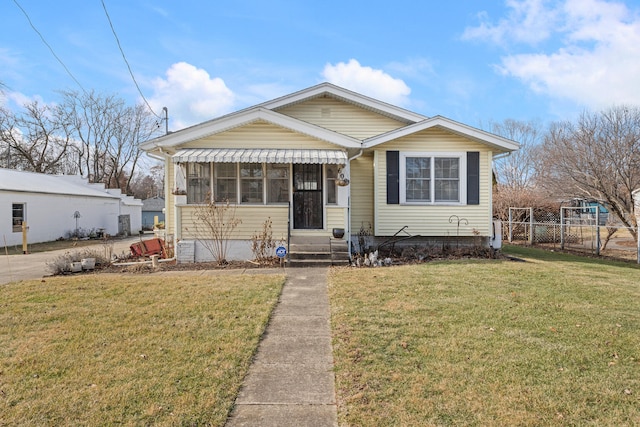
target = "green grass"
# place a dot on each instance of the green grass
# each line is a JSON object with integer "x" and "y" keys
{"x": 130, "y": 350}
{"x": 551, "y": 341}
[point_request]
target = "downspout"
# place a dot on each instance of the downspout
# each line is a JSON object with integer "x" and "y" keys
{"x": 349, "y": 201}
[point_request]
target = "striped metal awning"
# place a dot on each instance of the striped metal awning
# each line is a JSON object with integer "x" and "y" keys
{"x": 257, "y": 155}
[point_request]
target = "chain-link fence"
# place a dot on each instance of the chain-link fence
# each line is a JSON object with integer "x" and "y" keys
{"x": 577, "y": 229}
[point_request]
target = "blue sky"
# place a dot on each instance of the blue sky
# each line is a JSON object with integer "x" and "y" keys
{"x": 469, "y": 60}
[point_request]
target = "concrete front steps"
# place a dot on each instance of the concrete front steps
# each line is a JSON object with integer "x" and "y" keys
{"x": 313, "y": 251}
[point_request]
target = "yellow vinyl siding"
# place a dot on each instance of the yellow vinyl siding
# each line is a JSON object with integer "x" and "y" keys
{"x": 260, "y": 135}
{"x": 433, "y": 220}
{"x": 361, "y": 182}
{"x": 342, "y": 117}
{"x": 253, "y": 218}
{"x": 336, "y": 217}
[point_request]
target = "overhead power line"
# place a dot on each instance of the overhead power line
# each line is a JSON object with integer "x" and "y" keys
{"x": 48, "y": 45}
{"x": 126, "y": 61}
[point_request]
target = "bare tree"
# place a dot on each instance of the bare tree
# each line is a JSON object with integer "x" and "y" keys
{"x": 108, "y": 134}
{"x": 150, "y": 184}
{"x": 37, "y": 139}
{"x": 597, "y": 157}
{"x": 517, "y": 170}
{"x": 515, "y": 174}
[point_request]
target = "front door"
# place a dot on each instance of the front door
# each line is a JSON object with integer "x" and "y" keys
{"x": 307, "y": 196}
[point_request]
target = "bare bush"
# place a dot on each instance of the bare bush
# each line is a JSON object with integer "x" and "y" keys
{"x": 214, "y": 226}
{"x": 263, "y": 245}
{"x": 61, "y": 263}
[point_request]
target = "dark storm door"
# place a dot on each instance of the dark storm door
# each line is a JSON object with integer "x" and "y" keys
{"x": 307, "y": 196}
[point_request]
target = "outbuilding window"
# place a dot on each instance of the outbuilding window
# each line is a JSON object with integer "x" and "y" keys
{"x": 18, "y": 211}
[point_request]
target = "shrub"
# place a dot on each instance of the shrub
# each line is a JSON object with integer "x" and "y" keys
{"x": 60, "y": 264}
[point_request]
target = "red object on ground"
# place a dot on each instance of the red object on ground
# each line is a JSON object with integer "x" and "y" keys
{"x": 148, "y": 247}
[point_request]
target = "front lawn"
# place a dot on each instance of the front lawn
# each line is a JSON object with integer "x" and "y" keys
{"x": 130, "y": 350}
{"x": 550, "y": 341}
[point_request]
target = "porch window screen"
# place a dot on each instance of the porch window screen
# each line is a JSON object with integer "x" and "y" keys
{"x": 251, "y": 183}
{"x": 198, "y": 182}
{"x": 277, "y": 183}
{"x": 332, "y": 189}
{"x": 225, "y": 182}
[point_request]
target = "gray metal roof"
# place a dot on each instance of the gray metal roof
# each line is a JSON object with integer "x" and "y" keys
{"x": 31, "y": 182}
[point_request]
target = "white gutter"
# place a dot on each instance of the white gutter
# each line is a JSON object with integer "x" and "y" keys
{"x": 502, "y": 155}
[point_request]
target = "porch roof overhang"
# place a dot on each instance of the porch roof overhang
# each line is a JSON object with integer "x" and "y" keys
{"x": 260, "y": 155}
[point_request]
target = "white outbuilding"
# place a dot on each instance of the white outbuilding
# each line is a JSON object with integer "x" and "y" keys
{"x": 55, "y": 206}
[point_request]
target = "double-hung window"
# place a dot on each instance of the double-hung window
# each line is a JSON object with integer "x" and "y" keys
{"x": 432, "y": 178}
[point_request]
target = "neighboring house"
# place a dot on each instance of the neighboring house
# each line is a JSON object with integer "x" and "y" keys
{"x": 54, "y": 205}
{"x": 152, "y": 212}
{"x": 324, "y": 158}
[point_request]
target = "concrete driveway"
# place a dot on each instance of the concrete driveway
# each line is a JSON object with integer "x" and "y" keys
{"x": 14, "y": 268}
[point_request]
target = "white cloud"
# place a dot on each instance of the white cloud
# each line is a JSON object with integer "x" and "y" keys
{"x": 528, "y": 21}
{"x": 17, "y": 100}
{"x": 598, "y": 60}
{"x": 190, "y": 95}
{"x": 366, "y": 80}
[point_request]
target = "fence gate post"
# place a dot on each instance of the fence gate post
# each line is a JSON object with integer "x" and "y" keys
{"x": 531, "y": 229}
{"x": 636, "y": 208}
{"x": 597, "y": 230}
{"x": 561, "y": 228}
{"x": 510, "y": 226}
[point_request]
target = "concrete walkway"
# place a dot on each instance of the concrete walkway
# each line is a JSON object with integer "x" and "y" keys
{"x": 291, "y": 380}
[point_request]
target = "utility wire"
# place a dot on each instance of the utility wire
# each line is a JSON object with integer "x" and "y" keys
{"x": 125, "y": 60}
{"x": 49, "y": 46}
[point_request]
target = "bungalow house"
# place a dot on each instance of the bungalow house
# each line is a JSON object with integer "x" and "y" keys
{"x": 328, "y": 158}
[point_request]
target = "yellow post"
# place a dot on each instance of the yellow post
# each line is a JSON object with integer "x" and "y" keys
{"x": 155, "y": 220}
{"x": 24, "y": 238}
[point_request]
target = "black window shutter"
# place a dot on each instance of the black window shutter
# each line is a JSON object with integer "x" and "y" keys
{"x": 473, "y": 178}
{"x": 393, "y": 177}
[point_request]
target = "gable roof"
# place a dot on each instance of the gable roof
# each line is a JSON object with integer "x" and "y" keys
{"x": 31, "y": 182}
{"x": 153, "y": 204}
{"x": 342, "y": 94}
{"x": 246, "y": 117}
{"x": 268, "y": 112}
{"x": 494, "y": 141}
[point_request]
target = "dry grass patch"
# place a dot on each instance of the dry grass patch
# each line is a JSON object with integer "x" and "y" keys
{"x": 551, "y": 341}
{"x": 131, "y": 350}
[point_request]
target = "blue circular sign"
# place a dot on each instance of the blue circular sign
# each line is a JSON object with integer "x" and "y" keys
{"x": 281, "y": 251}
